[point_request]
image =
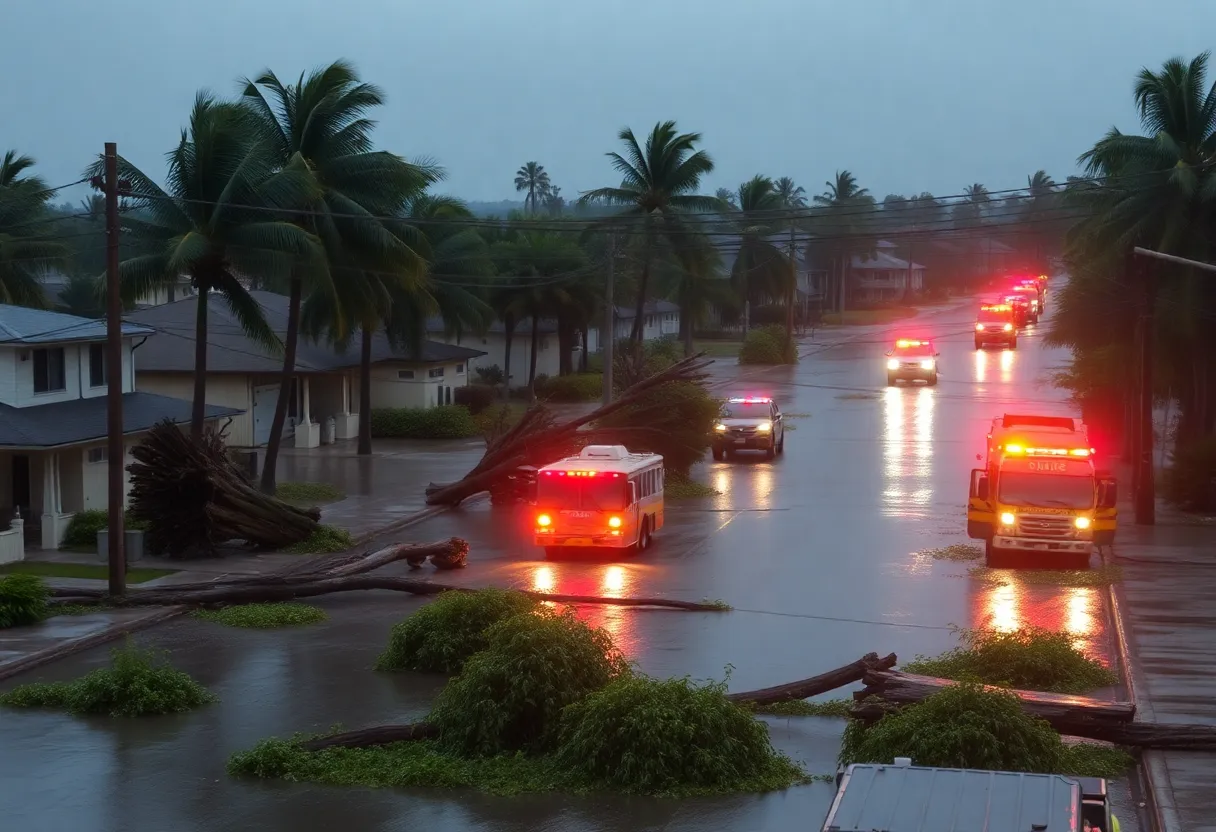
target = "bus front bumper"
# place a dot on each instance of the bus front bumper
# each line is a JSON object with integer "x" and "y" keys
{"x": 617, "y": 540}
{"x": 1031, "y": 544}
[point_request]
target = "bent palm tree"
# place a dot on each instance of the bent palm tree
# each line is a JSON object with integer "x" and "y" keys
{"x": 533, "y": 178}
{"x": 761, "y": 271}
{"x": 25, "y": 249}
{"x": 317, "y": 127}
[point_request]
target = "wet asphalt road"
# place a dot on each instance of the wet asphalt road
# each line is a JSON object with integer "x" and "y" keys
{"x": 820, "y": 552}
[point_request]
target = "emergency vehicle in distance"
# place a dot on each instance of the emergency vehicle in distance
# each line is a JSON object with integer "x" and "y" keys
{"x": 603, "y": 497}
{"x": 1022, "y": 312}
{"x": 912, "y": 359}
{"x": 1040, "y": 491}
{"x": 1029, "y": 288}
{"x": 995, "y": 325}
{"x": 749, "y": 423}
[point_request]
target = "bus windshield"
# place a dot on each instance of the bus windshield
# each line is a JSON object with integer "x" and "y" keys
{"x": 1046, "y": 490}
{"x": 603, "y": 493}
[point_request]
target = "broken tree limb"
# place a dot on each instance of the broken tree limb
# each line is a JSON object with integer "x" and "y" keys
{"x": 378, "y": 735}
{"x": 824, "y": 682}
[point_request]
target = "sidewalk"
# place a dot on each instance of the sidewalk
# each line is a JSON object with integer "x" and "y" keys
{"x": 1165, "y": 617}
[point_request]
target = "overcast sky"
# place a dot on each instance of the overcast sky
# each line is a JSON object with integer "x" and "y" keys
{"x": 910, "y": 95}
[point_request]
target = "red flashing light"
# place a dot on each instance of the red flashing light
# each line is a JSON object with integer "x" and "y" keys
{"x": 752, "y": 400}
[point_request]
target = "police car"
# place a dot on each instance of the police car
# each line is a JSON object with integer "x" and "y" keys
{"x": 912, "y": 360}
{"x": 749, "y": 423}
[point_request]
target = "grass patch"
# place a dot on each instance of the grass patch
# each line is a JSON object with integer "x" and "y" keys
{"x": 264, "y": 616}
{"x": 1070, "y": 578}
{"x": 679, "y": 487}
{"x": 23, "y": 600}
{"x": 967, "y": 726}
{"x": 718, "y": 349}
{"x": 323, "y": 541}
{"x": 310, "y": 493}
{"x": 91, "y": 571}
{"x": 1028, "y": 659}
{"x": 801, "y": 707}
{"x": 137, "y": 683}
{"x": 441, "y": 636}
{"x": 955, "y": 552}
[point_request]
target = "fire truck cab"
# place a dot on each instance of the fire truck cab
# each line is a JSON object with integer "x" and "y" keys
{"x": 995, "y": 325}
{"x": 1040, "y": 492}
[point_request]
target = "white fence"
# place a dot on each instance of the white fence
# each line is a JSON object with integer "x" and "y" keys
{"x": 12, "y": 542}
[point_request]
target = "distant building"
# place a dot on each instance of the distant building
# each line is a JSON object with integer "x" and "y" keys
{"x": 880, "y": 276}
{"x": 661, "y": 319}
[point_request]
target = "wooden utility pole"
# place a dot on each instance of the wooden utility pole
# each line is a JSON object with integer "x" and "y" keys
{"x": 608, "y": 331}
{"x": 116, "y": 454}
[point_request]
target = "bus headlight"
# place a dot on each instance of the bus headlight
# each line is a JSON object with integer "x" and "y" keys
{"x": 764, "y": 427}
{"x": 1082, "y": 523}
{"x": 1007, "y": 518}
{"x": 614, "y": 522}
{"x": 1008, "y": 327}
{"x": 927, "y": 364}
{"x": 720, "y": 428}
{"x": 544, "y": 520}
{"x": 892, "y": 364}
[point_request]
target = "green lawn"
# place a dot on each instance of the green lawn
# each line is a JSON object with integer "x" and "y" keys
{"x": 308, "y": 494}
{"x": 94, "y": 571}
{"x": 864, "y": 317}
{"x": 718, "y": 349}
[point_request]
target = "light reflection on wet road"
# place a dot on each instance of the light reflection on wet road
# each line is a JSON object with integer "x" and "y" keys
{"x": 819, "y": 551}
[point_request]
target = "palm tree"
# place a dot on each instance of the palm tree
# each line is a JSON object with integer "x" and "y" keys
{"x": 533, "y": 178}
{"x": 761, "y": 271}
{"x": 205, "y": 224}
{"x": 792, "y": 196}
{"x": 970, "y": 212}
{"x": 25, "y": 249}
{"x": 842, "y": 226}
{"x": 83, "y": 296}
{"x": 318, "y": 127}
{"x": 659, "y": 185}
{"x": 727, "y": 198}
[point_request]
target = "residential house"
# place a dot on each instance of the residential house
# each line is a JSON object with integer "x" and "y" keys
{"x": 810, "y": 279}
{"x": 880, "y": 276}
{"x": 54, "y": 284}
{"x": 493, "y": 346}
{"x": 53, "y": 419}
{"x": 661, "y": 319}
{"x": 245, "y": 375}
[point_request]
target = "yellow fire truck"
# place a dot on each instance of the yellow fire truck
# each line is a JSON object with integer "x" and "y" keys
{"x": 1040, "y": 492}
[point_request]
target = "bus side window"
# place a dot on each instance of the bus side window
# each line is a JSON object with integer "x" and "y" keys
{"x": 633, "y": 491}
{"x": 662, "y": 478}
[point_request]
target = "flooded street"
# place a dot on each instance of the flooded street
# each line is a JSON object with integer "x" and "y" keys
{"x": 824, "y": 553}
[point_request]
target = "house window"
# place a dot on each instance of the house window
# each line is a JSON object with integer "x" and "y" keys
{"x": 49, "y": 375}
{"x": 97, "y": 365}
{"x": 405, "y": 375}
{"x": 98, "y": 455}
{"x": 459, "y": 369}
{"x": 435, "y": 372}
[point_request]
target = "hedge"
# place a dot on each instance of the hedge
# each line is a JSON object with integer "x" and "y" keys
{"x": 768, "y": 345}
{"x": 83, "y": 527}
{"x": 476, "y": 397}
{"x": 451, "y": 421}
{"x": 579, "y": 387}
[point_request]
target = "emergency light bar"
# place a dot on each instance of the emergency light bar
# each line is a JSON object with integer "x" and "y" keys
{"x": 1020, "y": 450}
{"x": 994, "y": 307}
{"x": 751, "y": 400}
{"x": 580, "y": 473}
{"x": 903, "y": 343}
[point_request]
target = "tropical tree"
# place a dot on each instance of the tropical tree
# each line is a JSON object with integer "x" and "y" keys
{"x": 318, "y": 128}
{"x": 970, "y": 212}
{"x": 792, "y": 195}
{"x": 727, "y": 198}
{"x": 842, "y": 227}
{"x": 25, "y": 249}
{"x": 761, "y": 271}
{"x": 1040, "y": 212}
{"x": 658, "y": 189}
{"x": 533, "y": 178}
{"x": 83, "y": 296}
{"x": 206, "y": 223}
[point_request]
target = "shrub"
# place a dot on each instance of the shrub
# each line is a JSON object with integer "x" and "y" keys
{"x": 264, "y": 616}
{"x": 323, "y": 541}
{"x": 678, "y": 418}
{"x": 476, "y": 397}
{"x": 492, "y": 375}
{"x": 768, "y": 345}
{"x": 83, "y": 527}
{"x": 443, "y": 422}
{"x": 678, "y": 486}
{"x": 1190, "y": 481}
{"x": 137, "y": 683}
{"x": 579, "y": 387}
{"x": 441, "y": 636}
{"x": 509, "y": 697}
{"x": 667, "y": 737}
{"x": 22, "y": 600}
{"x": 1028, "y": 659}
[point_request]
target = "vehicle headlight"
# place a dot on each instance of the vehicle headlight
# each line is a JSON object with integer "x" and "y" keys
{"x": 1009, "y": 327}
{"x": 720, "y": 427}
{"x": 614, "y": 522}
{"x": 1082, "y": 522}
{"x": 1007, "y": 518}
{"x": 927, "y": 364}
{"x": 892, "y": 364}
{"x": 764, "y": 427}
{"x": 979, "y": 327}
{"x": 544, "y": 520}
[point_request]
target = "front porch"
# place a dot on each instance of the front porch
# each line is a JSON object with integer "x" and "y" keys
{"x": 41, "y": 490}
{"x": 316, "y": 398}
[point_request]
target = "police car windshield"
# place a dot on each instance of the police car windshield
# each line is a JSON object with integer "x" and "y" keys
{"x": 746, "y": 410}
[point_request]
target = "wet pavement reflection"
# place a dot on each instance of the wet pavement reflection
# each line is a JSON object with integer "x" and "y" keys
{"x": 821, "y": 552}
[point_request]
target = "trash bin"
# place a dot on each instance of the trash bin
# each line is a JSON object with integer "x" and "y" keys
{"x": 133, "y": 540}
{"x": 329, "y": 428}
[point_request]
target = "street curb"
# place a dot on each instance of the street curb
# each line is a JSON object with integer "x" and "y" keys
{"x": 68, "y": 648}
{"x": 1154, "y": 776}
{"x": 414, "y": 519}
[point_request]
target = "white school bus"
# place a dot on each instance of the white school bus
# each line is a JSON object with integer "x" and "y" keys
{"x": 605, "y": 496}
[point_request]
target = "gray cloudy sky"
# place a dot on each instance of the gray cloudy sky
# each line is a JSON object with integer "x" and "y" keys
{"x": 910, "y": 95}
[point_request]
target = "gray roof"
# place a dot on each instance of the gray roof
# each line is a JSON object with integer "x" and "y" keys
{"x": 84, "y": 420}
{"x": 230, "y": 350}
{"x": 22, "y": 325}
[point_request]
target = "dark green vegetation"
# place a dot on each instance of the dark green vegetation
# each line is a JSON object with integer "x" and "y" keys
{"x": 325, "y": 540}
{"x": 1027, "y": 659}
{"x": 579, "y": 387}
{"x": 543, "y": 702}
{"x": 678, "y": 486}
{"x": 801, "y": 707}
{"x": 308, "y": 493}
{"x": 83, "y": 528}
{"x": 264, "y": 616}
{"x": 442, "y": 636}
{"x": 968, "y": 726}
{"x": 444, "y": 422}
{"x": 137, "y": 683}
{"x": 768, "y": 345}
{"x": 90, "y": 571}
{"x": 22, "y": 600}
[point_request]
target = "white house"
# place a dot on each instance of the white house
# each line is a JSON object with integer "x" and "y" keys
{"x": 245, "y": 375}
{"x": 662, "y": 319}
{"x": 881, "y": 276}
{"x": 493, "y": 346}
{"x": 53, "y": 420}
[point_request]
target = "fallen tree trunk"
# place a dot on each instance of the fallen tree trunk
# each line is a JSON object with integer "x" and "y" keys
{"x": 379, "y": 735}
{"x": 824, "y": 682}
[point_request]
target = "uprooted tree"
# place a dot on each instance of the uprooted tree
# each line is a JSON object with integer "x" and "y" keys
{"x": 670, "y": 413}
{"x": 193, "y": 498}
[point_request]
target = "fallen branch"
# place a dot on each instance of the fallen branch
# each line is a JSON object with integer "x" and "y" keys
{"x": 824, "y": 682}
{"x": 379, "y": 735}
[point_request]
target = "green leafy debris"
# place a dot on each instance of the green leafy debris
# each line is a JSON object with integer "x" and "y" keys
{"x": 264, "y": 616}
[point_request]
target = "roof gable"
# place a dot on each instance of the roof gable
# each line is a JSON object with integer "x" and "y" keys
{"x": 22, "y": 325}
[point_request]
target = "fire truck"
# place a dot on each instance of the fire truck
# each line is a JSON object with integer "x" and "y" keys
{"x": 1041, "y": 492}
{"x": 995, "y": 325}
